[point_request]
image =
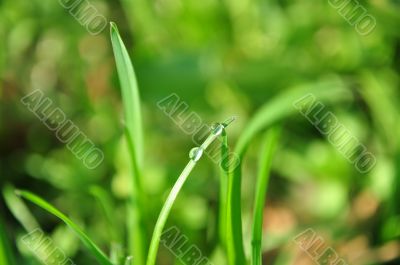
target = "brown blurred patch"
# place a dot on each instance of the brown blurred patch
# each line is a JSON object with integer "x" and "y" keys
{"x": 279, "y": 219}
{"x": 355, "y": 249}
{"x": 365, "y": 205}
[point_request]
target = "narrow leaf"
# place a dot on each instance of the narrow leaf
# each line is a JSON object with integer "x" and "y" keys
{"x": 134, "y": 136}
{"x": 19, "y": 209}
{"x": 223, "y": 190}
{"x": 91, "y": 246}
{"x": 267, "y": 151}
{"x": 6, "y": 256}
{"x": 130, "y": 92}
{"x": 195, "y": 155}
{"x": 272, "y": 112}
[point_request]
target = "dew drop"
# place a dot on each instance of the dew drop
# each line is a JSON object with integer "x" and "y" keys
{"x": 217, "y": 128}
{"x": 196, "y": 153}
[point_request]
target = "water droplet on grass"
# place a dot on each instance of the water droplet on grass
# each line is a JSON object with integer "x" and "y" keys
{"x": 196, "y": 153}
{"x": 217, "y": 128}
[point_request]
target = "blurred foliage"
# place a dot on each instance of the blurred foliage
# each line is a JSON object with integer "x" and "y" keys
{"x": 222, "y": 57}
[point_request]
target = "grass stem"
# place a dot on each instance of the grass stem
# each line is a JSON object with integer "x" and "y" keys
{"x": 267, "y": 151}
{"x": 166, "y": 209}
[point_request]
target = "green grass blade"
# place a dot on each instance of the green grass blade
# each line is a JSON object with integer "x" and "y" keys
{"x": 151, "y": 260}
{"x": 6, "y": 257}
{"x": 130, "y": 92}
{"x": 271, "y": 113}
{"x": 267, "y": 151}
{"x": 282, "y": 106}
{"x": 166, "y": 209}
{"x": 19, "y": 209}
{"x": 135, "y": 217}
{"x": 223, "y": 191}
{"x": 234, "y": 237}
{"x": 92, "y": 247}
{"x": 134, "y": 136}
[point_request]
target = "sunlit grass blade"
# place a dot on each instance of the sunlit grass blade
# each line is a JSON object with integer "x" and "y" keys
{"x": 162, "y": 219}
{"x": 130, "y": 92}
{"x": 18, "y": 208}
{"x": 91, "y": 246}
{"x": 6, "y": 257}
{"x": 195, "y": 155}
{"x": 272, "y": 112}
{"x": 267, "y": 151}
{"x": 135, "y": 211}
{"x": 134, "y": 136}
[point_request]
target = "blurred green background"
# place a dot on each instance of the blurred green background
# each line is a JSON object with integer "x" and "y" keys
{"x": 222, "y": 57}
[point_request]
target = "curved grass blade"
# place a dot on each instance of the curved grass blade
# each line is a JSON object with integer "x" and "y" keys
{"x": 19, "y": 209}
{"x": 134, "y": 136}
{"x": 282, "y": 106}
{"x": 162, "y": 219}
{"x": 267, "y": 151}
{"x": 92, "y": 247}
{"x": 271, "y": 113}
